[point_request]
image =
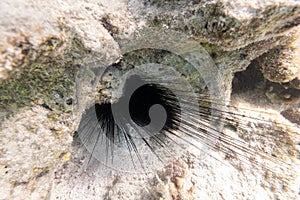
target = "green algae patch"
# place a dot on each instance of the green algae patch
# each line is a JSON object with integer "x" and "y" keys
{"x": 48, "y": 81}
{"x": 48, "y": 84}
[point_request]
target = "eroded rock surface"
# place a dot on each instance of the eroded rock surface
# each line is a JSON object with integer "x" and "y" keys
{"x": 43, "y": 45}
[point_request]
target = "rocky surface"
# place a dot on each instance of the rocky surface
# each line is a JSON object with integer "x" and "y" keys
{"x": 44, "y": 45}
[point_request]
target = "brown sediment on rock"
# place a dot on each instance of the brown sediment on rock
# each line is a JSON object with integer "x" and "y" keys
{"x": 277, "y": 65}
{"x": 281, "y": 64}
{"x": 292, "y": 114}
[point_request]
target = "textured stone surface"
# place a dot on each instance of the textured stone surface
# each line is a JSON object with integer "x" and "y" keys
{"x": 34, "y": 29}
{"x": 44, "y": 44}
{"x": 281, "y": 66}
{"x": 41, "y": 44}
{"x": 228, "y": 24}
{"x": 30, "y": 149}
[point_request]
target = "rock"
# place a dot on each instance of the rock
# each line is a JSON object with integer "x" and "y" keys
{"x": 230, "y": 25}
{"x": 281, "y": 64}
{"x": 278, "y": 65}
{"x": 32, "y": 145}
{"x": 292, "y": 114}
{"x": 40, "y": 46}
{"x": 44, "y": 47}
{"x": 47, "y": 31}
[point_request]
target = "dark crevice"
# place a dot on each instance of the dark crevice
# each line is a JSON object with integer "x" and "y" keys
{"x": 249, "y": 79}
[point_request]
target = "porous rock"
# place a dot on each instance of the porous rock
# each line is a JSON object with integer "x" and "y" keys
{"x": 41, "y": 39}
